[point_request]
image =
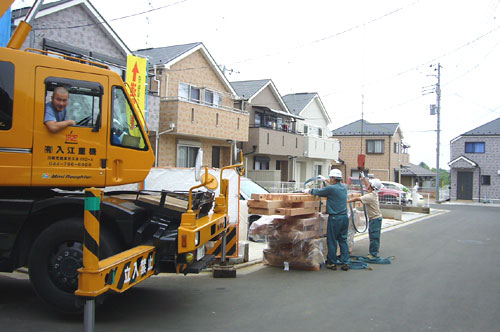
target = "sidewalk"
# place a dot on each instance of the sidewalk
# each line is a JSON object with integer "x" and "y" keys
{"x": 255, "y": 248}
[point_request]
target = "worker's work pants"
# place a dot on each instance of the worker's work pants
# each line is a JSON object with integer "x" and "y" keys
{"x": 337, "y": 232}
{"x": 374, "y": 228}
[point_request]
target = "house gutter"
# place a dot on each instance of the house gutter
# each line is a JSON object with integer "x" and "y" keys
{"x": 390, "y": 157}
{"x": 479, "y": 183}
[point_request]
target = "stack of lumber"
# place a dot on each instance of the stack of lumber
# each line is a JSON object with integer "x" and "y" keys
{"x": 295, "y": 229}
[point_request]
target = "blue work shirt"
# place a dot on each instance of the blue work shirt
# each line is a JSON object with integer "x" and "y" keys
{"x": 336, "y": 198}
{"x": 52, "y": 115}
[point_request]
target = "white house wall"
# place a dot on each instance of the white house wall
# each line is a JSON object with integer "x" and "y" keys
{"x": 314, "y": 116}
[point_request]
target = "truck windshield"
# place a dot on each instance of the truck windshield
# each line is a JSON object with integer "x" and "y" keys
{"x": 125, "y": 129}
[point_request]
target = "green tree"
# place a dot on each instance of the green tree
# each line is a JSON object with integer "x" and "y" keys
{"x": 444, "y": 175}
{"x": 424, "y": 165}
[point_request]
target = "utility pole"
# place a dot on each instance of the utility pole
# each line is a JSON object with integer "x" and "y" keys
{"x": 436, "y": 110}
{"x": 438, "y": 113}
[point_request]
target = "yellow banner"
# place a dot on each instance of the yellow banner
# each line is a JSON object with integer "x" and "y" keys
{"x": 137, "y": 68}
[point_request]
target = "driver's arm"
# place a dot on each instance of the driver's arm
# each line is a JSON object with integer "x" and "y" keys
{"x": 55, "y": 126}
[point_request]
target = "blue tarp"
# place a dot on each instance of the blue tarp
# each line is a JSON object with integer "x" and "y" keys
{"x": 5, "y": 28}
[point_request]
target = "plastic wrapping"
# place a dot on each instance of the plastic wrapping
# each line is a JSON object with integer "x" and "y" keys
{"x": 296, "y": 242}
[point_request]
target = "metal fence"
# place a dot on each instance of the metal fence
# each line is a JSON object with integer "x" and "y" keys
{"x": 422, "y": 197}
{"x": 281, "y": 187}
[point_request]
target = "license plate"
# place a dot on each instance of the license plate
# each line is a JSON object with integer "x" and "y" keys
{"x": 200, "y": 252}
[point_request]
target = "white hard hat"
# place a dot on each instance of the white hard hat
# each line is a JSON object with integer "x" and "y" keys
{"x": 335, "y": 173}
{"x": 376, "y": 184}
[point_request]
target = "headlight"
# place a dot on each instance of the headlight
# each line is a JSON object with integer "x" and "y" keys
{"x": 197, "y": 238}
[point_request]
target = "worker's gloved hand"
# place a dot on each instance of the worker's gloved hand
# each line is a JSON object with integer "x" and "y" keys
{"x": 362, "y": 175}
{"x": 321, "y": 177}
{"x": 307, "y": 191}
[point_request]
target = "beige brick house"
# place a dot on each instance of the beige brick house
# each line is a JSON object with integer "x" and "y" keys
{"x": 191, "y": 107}
{"x": 382, "y": 143}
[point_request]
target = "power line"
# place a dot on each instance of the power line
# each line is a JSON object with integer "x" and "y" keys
{"x": 333, "y": 35}
{"x": 114, "y": 19}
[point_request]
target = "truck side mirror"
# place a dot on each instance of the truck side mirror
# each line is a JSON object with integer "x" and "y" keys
{"x": 197, "y": 165}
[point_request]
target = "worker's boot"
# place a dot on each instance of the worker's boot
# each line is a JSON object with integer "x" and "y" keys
{"x": 345, "y": 267}
{"x": 331, "y": 266}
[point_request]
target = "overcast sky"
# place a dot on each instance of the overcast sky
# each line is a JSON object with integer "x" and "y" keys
{"x": 344, "y": 50}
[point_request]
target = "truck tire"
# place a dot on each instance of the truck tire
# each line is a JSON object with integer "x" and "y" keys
{"x": 54, "y": 259}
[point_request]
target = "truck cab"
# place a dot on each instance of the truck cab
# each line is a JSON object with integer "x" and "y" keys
{"x": 107, "y": 146}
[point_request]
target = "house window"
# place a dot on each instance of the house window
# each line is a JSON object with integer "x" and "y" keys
{"x": 217, "y": 119}
{"x": 374, "y": 146}
{"x": 7, "y": 94}
{"x": 216, "y": 156}
{"x": 212, "y": 98}
{"x": 189, "y": 93}
{"x": 209, "y": 97}
{"x": 485, "y": 180}
{"x": 306, "y": 129}
{"x": 396, "y": 147}
{"x": 317, "y": 170}
{"x": 278, "y": 166}
{"x": 186, "y": 155}
{"x": 217, "y": 100}
{"x": 267, "y": 138}
{"x": 474, "y": 147}
{"x": 258, "y": 119}
{"x": 320, "y": 132}
{"x": 261, "y": 163}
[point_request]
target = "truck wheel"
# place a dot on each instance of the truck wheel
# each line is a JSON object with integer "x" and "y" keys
{"x": 54, "y": 259}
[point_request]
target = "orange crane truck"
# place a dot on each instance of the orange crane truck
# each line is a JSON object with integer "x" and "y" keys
{"x": 43, "y": 174}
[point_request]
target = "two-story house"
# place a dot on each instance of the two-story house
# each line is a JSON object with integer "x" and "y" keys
{"x": 319, "y": 150}
{"x": 274, "y": 142}
{"x": 75, "y": 28}
{"x": 475, "y": 164}
{"x": 191, "y": 107}
{"x": 381, "y": 143}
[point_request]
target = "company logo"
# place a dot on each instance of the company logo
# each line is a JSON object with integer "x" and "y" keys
{"x": 71, "y": 138}
{"x": 45, "y": 176}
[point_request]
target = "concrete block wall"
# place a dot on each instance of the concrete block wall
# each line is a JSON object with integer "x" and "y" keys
{"x": 88, "y": 37}
{"x": 488, "y": 162}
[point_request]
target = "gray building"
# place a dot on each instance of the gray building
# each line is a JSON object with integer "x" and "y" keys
{"x": 475, "y": 164}
{"x": 75, "y": 28}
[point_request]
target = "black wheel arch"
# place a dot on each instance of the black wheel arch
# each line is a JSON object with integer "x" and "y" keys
{"x": 122, "y": 224}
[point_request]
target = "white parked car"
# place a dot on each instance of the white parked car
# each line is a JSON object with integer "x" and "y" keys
{"x": 399, "y": 186}
{"x": 247, "y": 188}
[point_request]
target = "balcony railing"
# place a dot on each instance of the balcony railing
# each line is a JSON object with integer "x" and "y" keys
{"x": 201, "y": 103}
{"x": 282, "y": 128}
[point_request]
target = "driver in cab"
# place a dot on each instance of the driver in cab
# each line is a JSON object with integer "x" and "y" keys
{"x": 55, "y": 111}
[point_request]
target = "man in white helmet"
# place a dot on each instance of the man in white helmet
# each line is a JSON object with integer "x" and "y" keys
{"x": 370, "y": 200}
{"x": 338, "y": 222}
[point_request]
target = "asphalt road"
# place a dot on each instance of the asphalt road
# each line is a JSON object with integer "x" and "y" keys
{"x": 446, "y": 277}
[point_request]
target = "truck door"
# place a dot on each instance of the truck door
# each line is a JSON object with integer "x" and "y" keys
{"x": 129, "y": 154}
{"x": 76, "y": 155}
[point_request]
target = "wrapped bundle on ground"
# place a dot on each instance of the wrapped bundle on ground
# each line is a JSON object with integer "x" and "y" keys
{"x": 294, "y": 238}
{"x": 309, "y": 258}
